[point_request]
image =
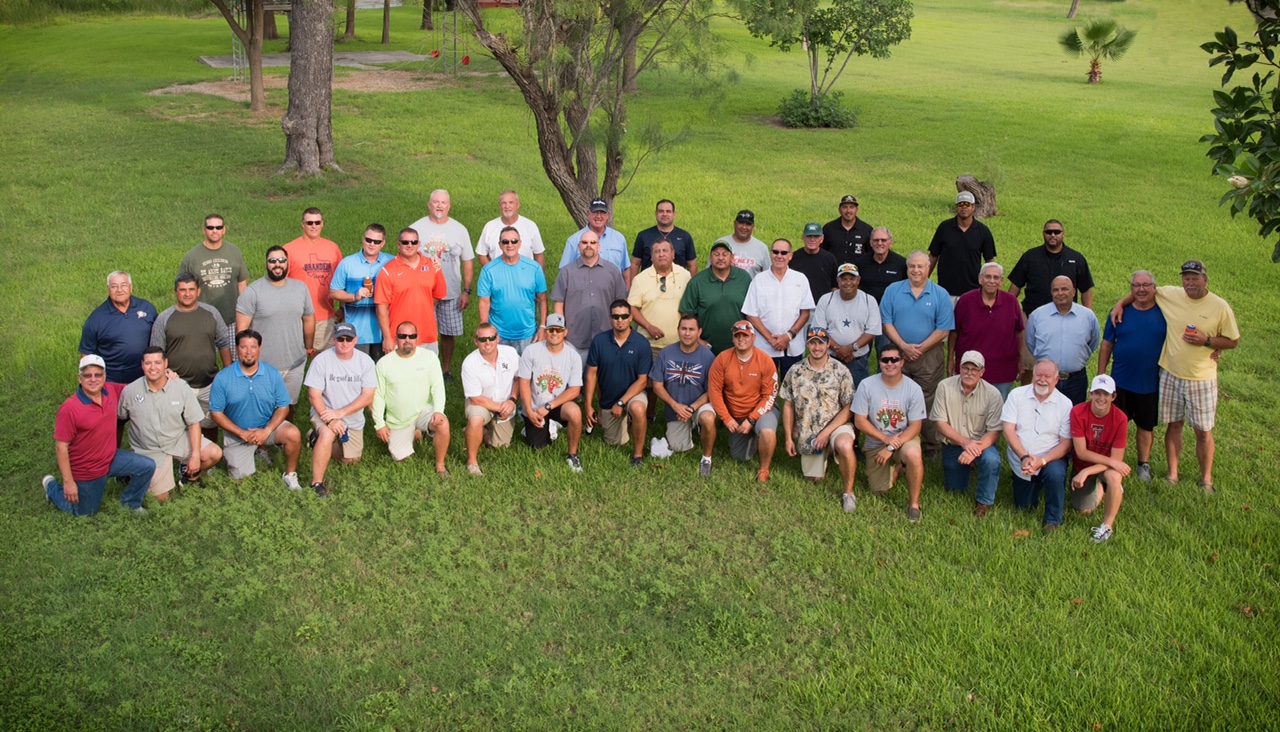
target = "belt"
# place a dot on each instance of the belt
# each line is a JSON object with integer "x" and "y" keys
{"x": 1074, "y": 375}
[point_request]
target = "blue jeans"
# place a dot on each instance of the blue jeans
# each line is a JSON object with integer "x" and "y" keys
{"x": 1053, "y": 479}
{"x": 955, "y": 477}
{"x": 137, "y": 468}
{"x": 784, "y": 364}
{"x": 1004, "y": 389}
{"x": 1075, "y": 388}
{"x": 858, "y": 368}
{"x": 520, "y": 344}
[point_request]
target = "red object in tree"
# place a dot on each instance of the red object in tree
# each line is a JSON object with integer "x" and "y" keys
{"x": 435, "y": 53}
{"x": 466, "y": 60}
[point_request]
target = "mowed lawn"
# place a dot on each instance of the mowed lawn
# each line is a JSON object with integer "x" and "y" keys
{"x": 535, "y": 598}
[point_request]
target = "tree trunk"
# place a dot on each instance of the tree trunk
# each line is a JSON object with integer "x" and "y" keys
{"x": 270, "y": 31}
{"x": 251, "y": 38}
{"x": 426, "y": 14}
{"x": 386, "y": 22}
{"x": 1095, "y": 72}
{"x": 1075, "y": 5}
{"x": 350, "y": 33}
{"x": 629, "y": 72}
{"x": 983, "y": 193}
{"x": 307, "y": 124}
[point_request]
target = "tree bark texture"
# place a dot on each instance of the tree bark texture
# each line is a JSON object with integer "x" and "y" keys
{"x": 307, "y": 124}
{"x": 270, "y": 31}
{"x": 386, "y": 22}
{"x": 1075, "y": 5}
{"x": 983, "y": 193}
{"x": 350, "y": 33}
{"x": 251, "y": 38}
{"x": 426, "y": 15}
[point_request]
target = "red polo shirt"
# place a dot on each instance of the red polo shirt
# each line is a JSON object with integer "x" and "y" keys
{"x": 89, "y": 430}
{"x": 410, "y": 294}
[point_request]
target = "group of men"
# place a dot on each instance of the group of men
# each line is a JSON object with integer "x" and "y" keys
{"x": 761, "y": 334}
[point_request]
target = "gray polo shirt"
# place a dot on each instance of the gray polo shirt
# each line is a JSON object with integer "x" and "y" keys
{"x": 586, "y": 293}
{"x": 158, "y": 420}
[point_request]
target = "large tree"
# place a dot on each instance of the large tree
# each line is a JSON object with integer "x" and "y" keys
{"x": 1245, "y": 143}
{"x": 307, "y": 124}
{"x": 250, "y": 36}
{"x": 831, "y": 33}
{"x": 569, "y": 60}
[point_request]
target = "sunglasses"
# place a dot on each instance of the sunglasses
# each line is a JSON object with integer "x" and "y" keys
{"x": 508, "y": 241}
{"x": 211, "y": 227}
{"x": 313, "y": 223}
{"x": 277, "y": 260}
{"x": 486, "y": 339}
{"x": 408, "y": 243}
{"x": 344, "y": 339}
{"x": 555, "y": 329}
{"x": 662, "y": 284}
{"x": 890, "y": 359}
{"x": 367, "y": 240}
{"x": 963, "y": 203}
{"x": 781, "y": 252}
{"x": 619, "y": 316}
{"x": 406, "y": 336}
{"x": 1051, "y": 232}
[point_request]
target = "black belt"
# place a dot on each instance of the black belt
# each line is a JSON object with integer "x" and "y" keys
{"x": 1074, "y": 375}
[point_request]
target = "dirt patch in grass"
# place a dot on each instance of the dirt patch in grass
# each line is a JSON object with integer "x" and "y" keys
{"x": 384, "y": 80}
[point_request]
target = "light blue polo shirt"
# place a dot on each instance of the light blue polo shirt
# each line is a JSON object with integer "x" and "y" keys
{"x": 349, "y": 277}
{"x": 248, "y": 401}
{"x": 916, "y": 318}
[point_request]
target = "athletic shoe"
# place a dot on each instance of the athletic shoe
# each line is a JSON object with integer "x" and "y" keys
{"x": 45, "y": 481}
{"x": 575, "y": 463}
{"x": 291, "y": 482}
{"x": 849, "y": 502}
{"x": 322, "y": 490}
{"x": 762, "y": 475}
{"x": 637, "y": 462}
{"x": 704, "y": 467}
{"x": 138, "y": 511}
{"x": 1207, "y": 487}
{"x": 312, "y": 436}
{"x": 1101, "y": 534}
{"x": 448, "y": 377}
{"x": 475, "y": 470}
{"x": 1144, "y": 472}
{"x": 913, "y": 514}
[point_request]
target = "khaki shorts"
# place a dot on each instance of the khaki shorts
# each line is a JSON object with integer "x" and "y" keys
{"x": 162, "y": 482}
{"x": 497, "y": 433}
{"x": 352, "y": 449}
{"x": 615, "y": 428}
{"x": 815, "y": 466}
{"x": 878, "y": 475}
{"x": 680, "y": 434}
{"x": 1088, "y": 497}
{"x": 324, "y": 335}
{"x": 400, "y": 441}
{"x": 202, "y": 396}
{"x": 239, "y": 454}
{"x": 293, "y": 382}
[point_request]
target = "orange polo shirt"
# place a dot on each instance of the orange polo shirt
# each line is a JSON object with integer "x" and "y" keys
{"x": 410, "y": 294}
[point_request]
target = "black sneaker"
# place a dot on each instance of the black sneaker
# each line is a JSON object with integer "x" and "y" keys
{"x": 448, "y": 377}
{"x": 637, "y": 462}
{"x": 184, "y": 480}
{"x": 575, "y": 463}
{"x": 322, "y": 490}
{"x": 311, "y": 439}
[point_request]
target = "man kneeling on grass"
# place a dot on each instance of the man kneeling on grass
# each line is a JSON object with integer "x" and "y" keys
{"x": 250, "y": 402}
{"x": 340, "y": 384}
{"x": 409, "y": 400}
{"x": 550, "y": 379}
{"x": 1099, "y": 432}
{"x": 489, "y": 384}
{"x": 889, "y": 409}
{"x": 819, "y": 391}
{"x": 743, "y": 387}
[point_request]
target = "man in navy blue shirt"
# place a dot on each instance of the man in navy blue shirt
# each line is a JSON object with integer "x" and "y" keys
{"x": 1136, "y": 345}
{"x": 681, "y": 241}
{"x": 119, "y": 330}
{"x": 618, "y": 362}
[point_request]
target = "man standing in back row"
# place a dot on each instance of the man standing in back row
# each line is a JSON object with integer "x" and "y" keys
{"x": 1136, "y": 344}
{"x": 684, "y": 255}
{"x": 847, "y": 236}
{"x": 219, "y": 268}
{"x": 447, "y": 243}
{"x": 530, "y": 237}
{"x": 312, "y": 259}
{"x": 959, "y": 247}
{"x": 613, "y": 245}
{"x": 749, "y": 253}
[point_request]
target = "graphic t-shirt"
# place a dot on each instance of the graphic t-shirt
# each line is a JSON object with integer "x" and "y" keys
{"x": 889, "y": 409}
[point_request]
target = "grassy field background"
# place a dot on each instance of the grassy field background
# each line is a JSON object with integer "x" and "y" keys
{"x": 539, "y": 599}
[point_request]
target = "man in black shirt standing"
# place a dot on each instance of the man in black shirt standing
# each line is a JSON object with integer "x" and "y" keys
{"x": 1038, "y": 266}
{"x": 879, "y": 268}
{"x": 847, "y": 237}
{"x": 681, "y": 241}
{"x": 960, "y": 247}
{"x": 815, "y": 263}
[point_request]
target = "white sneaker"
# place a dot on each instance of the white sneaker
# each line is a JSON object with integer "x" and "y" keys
{"x": 291, "y": 482}
{"x": 849, "y": 502}
{"x": 1101, "y": 534}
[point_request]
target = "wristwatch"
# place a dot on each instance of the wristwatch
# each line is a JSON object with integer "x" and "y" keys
{"x": 466, "y": 290}
{"x": 620, "y": 404}
{"x": 890, "y": 448}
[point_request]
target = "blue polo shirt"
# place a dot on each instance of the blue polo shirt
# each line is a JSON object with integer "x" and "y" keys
{"x": 1135, "y": 361}
{"x": 513, "y": 291}
{"x": 916, "y": 318}
{"x": 1067, "y": 339}
{"x": 618, "y": 367}
{"x": 120, "y": 338}
{"x": 248, "y": 401}
{"x": 349, "y": 277}
{"x": 613, "y": 248}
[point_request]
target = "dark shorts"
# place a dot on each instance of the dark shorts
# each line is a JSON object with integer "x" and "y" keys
{"x": 540, "y": 437}
{"x": 1142, "y": 409}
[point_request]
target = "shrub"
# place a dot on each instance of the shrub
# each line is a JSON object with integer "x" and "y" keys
{"x": 800, "y": 110}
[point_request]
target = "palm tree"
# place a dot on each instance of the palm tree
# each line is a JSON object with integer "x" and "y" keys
{"x": 1099, "y": 39}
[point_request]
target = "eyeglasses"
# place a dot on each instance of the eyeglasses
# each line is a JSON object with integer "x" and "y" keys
{"x": 879, "y": 238}
{"x": 970, "y": 369}
{"x": 1142, "y": 285}
{"x": 277, "y": 260}
{"x": 367, "y": 240}
{"x": 211, "y": 227}
{"x": 407, "y": 243}
{"x": 1051, "y": 232}
{"x": 406, "y": 336}
{"x": 662, "y": 284}
{"x": 344, "y": 339}
{"x": 780, "y": 252}
{"x": 591, "y": 242}
{"x": 313, "y": 223}
{"x": 555, "y": 329}
{"x": 890, "y": 359}
{"x": 94, "y": 375}
{"x": 508, "y": 241}
{"x": 486, "y": 339}
{"x": 619, "y": 316}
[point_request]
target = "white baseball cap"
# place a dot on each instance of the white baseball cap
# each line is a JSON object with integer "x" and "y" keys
{"x": 1104, "y": 383}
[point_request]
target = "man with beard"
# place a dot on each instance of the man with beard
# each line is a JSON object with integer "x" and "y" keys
{"x": 281, "y": 310}
{"x": 1037, "y": 431}
{"x": 847, "y": 236}
{"x": 409, "y": 400}
{"x": 193, "y": 338}
{"x": 251, "y": 404}
{"x": 817, "y": 394}
{"x": 550, "y": 381}
{"x": 715, "y": 296}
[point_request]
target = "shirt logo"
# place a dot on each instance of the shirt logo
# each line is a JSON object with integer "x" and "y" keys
{"x": 142, "y": 313}
{"x": 139, "y": 398}
{"x": 683, "y": 372}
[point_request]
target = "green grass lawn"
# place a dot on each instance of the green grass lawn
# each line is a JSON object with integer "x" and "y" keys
{"x": 538, "y": 599}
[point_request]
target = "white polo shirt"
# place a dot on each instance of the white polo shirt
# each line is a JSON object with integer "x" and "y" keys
{"x": 481, "y": 378}
{"x": 1040, "y": 425}
{"x": 777, "y": 303}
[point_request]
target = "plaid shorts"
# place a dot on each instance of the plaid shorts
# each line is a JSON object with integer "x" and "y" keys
{"x": 448, "y": 317}
{"x": 1192, "y": 401}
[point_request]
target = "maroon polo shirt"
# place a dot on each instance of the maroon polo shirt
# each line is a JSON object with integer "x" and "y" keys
{"x": 90, "y": 431}
{"x": 992, "y": 331}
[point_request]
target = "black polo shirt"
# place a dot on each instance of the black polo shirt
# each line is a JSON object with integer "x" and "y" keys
{"x": 877, "y": 276}
{"x": 1036, "y": 268}
{"x": 961, "y": 254}
{"x": 681, "y": 242}
{"x": 819, "y": 268}
{"x": 847, "y": 244}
